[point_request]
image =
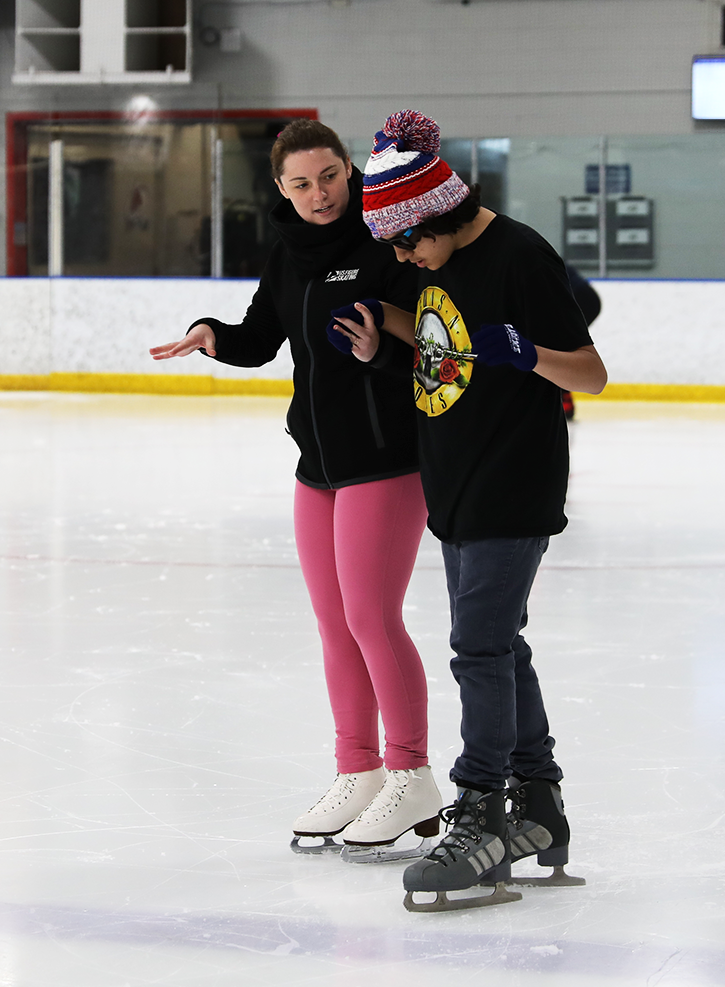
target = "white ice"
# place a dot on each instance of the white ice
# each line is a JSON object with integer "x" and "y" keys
{"x": 164, "y": 716}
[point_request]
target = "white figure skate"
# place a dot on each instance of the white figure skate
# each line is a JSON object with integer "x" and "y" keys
{"x": 342, "y": 803}
{"x": 409, "y": 800}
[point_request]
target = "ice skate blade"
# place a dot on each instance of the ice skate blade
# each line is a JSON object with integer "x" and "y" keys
{"x": 443, "y": 903}
{"x": 557, "y": 879}
{"x": 359, "y": 854}
{"x": 328, "y": 845}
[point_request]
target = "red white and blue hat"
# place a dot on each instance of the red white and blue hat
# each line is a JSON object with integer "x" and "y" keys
{"x": 405, "y": 182}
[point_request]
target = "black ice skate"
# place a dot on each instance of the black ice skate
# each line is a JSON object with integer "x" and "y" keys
{"x": 537, "y": 825}
{"x": 475, "y": 851}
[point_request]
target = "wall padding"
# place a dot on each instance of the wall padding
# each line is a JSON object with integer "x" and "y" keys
{"x": 649, "y": 332}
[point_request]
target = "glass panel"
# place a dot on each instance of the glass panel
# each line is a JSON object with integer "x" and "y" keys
{"x": 547, "y": 190}
{"x": 35, "y": 235}
{"x": 483, "y": 162}
{"x": 492, "y": 172}
{"x": 137, "y": 197}
{"x": 683, "y": 178}
{"x": 179, "y": 203}
{"x": 248, "y": 194}
{"x": 458, "y": 155}
{"x": 134, "y": 198}
{"x": 85, "y": 213}
{"x": 359, "y": 149}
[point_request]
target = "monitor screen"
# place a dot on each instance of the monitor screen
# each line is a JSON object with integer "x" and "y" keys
{"x": 708, "y": 88}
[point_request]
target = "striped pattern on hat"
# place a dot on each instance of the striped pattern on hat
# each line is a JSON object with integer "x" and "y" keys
{"x": 405, "y": 182}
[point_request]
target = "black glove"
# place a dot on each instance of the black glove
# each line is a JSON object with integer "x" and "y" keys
{"x": 494, "y": 345}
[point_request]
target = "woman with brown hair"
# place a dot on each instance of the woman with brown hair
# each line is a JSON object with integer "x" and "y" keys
{"x": 359, "y": 508}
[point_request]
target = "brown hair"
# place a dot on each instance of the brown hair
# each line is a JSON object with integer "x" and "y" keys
{"x": 303, "y": 135}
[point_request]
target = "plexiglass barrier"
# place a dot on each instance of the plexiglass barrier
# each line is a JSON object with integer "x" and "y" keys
{"x": 144, "y": 199}
{"x": 145, "y": 191}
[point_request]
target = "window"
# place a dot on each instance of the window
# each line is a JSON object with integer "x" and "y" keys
{"x": 138, "y": 193}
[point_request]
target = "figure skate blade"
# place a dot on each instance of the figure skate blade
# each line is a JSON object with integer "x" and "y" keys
{"x": 327, "y": 845}
{"x": 355, "y": 853}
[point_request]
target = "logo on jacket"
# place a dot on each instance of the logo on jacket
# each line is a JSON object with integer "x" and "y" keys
{"x": 342, "y": 275}
{"x": 443, "y": 360}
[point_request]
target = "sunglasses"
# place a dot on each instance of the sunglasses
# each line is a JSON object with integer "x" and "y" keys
{"x": 408, "y": 239}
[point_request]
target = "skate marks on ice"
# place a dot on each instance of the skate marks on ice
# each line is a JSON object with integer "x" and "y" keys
{"x": 452, "y": 943}
{"x": 205, "y": 673}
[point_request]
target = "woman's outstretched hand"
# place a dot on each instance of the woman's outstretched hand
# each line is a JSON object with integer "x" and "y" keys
{"x": 198, "y": 338}
{"x": 365, "y": 338}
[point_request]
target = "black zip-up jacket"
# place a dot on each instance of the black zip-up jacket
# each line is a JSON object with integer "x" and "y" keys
{"x": 353, "y": 422}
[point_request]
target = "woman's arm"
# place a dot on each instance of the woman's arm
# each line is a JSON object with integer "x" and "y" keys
{"x": 200, "y": 337}
{"x": 252, "y": 343}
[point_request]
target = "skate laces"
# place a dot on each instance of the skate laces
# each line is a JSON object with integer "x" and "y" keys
{"x": 517, "y": 813}
{"x": 465, "y": 820}
{"x": 342, "y": 787}
{"x": 390, "y": 795}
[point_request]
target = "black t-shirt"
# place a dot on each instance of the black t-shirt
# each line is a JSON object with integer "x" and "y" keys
{"x": 493, "y": 440}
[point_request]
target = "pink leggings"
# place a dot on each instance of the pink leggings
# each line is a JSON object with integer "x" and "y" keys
{"x": 357, "y": 547}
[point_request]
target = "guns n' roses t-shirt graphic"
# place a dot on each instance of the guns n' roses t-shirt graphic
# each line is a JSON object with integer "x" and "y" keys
{"x": 443, "y": 359}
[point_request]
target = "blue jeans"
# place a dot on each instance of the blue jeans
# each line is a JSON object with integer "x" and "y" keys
{"x": 504, "y": 725}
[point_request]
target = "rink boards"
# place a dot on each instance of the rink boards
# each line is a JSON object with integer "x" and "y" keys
{"x": 659, "y": 339}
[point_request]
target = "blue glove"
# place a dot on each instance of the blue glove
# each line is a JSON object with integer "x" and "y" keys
{"x": 342, "y": 343}
{"x": 494, "y": 345}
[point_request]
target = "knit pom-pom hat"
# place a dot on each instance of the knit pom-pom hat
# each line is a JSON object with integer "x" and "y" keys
{"x": 405, "y": 182}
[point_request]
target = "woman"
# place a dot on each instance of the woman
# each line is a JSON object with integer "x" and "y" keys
{"x": 359, "y": 509}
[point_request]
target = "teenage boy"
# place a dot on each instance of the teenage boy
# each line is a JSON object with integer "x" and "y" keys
{"x": 497, "y": 335}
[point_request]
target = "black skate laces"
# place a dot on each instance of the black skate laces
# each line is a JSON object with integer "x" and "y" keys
{"x": 467, "y": 820}
{"x": 517, "y": 814}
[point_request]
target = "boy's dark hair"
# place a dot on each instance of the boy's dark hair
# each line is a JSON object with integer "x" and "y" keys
{"x": 303, "y": 135}
{"x": 456, "y": 219}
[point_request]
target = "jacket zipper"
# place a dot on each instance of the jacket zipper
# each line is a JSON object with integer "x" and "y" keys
{"x": 373, "y": 413}
{"x": 305, "y": 336}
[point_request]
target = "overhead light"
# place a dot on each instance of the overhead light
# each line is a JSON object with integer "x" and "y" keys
{"x": 140, "y": 108}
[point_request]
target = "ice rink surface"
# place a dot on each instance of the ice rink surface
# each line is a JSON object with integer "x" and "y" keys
{"x": 164, "y": 717}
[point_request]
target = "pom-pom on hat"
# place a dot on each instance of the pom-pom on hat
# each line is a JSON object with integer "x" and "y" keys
{"x": 405, "y": 182}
